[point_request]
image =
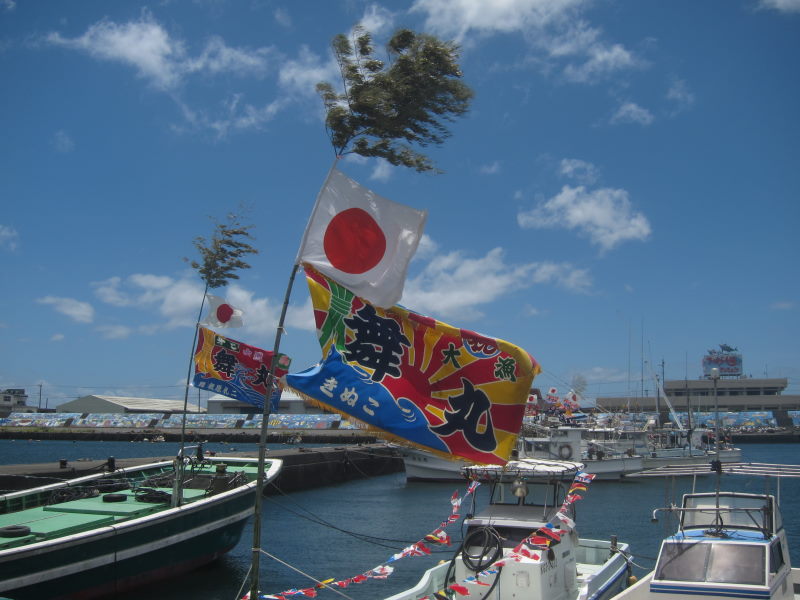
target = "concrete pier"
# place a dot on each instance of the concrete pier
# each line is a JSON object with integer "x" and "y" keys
{"x": 303, "y": 468}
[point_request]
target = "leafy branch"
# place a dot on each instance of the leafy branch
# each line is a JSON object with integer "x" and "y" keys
{"x": 385, "y": 110}
{"x": 224, "y": 253}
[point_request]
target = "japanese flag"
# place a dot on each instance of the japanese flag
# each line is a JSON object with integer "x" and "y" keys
{"x": 221, "y": 314}
{"x": 361, "y": 240}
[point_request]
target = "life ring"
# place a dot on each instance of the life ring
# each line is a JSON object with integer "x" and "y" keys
{"x": 13, "y": 531}
{"x": 565, "y": 451}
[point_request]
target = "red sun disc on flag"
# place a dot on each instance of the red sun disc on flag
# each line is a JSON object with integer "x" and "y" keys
{"x": 354, "y": 242}
{"x": 224, "y": 313}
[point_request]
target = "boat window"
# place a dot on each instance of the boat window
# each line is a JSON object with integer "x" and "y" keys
{"x": 736, "y": 563}
{"x": 682, "y": 562}
{"x": 713, "y": 563}
{"x": 776, "y": 560}
{"x": 538, "y": 494}
{"x": 746, "y": 511}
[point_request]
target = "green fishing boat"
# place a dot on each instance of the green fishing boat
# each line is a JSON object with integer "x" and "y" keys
{"x": 104, "y": 534}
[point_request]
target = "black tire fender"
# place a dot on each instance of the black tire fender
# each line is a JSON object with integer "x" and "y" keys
{"x": 13, "y": 531}
{"x": 115, "y": 497}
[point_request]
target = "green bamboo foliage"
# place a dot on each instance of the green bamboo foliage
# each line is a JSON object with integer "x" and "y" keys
{"x": 223, "y": 255}
{"x": 387, "y": 110}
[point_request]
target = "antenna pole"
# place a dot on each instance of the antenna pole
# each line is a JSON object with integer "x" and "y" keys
{"x": 717, "y": 464}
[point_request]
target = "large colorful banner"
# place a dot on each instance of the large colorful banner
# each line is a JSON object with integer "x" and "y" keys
{"x": 234, "y": 369}
{"x": 452, "y": 391}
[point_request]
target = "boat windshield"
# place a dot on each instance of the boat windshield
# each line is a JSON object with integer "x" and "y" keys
{"x": 739, "y": 511}
{"x": 536, "y": 494}
{"x": 720, "y": 562}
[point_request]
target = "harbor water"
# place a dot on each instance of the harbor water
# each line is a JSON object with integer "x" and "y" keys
{"x": 344, "y": 530}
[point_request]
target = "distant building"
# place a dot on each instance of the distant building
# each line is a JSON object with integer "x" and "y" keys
{"x": 14, "y": 400}
{"x": 289, "y": 404}
{"x": 733, "y": 394}
{"x": 121, "y": 404}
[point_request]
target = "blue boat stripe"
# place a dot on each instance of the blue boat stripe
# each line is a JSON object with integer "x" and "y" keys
{"x": 614, "y": 579}
{"x": 708, "y": 591}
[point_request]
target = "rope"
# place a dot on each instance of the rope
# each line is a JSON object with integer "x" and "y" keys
{"x": 244, "y": 582}
{"x": 377, "y": 541}
{"x": 318, "y": 582}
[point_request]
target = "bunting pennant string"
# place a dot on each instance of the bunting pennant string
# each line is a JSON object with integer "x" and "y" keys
{"x": 437, "y": 536}
{"x": 530, "y": 549}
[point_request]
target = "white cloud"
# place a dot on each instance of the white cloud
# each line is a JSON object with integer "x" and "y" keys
{"x": 177, "y": 302}
{"x": 680, "y": 95}
{"x": 531, "y": 311}
{"x": 9, "y": 238}
{"x": 143, "y": 44}
{"x": 601, "y": 60}
{"x": 301, "y": 75}
{"x": 282, "y": 17}
{"x": 8, "y": 5}
{"x": 377, "y": 20}
{"x": 579, "y": 170}
{"x": 630, "y": 112}
{"x": 788, "y": 6}
{"x": 217, "y": 58}
{"x": 236, "y": 116}
{"x": 159, "y": 58}
{"x": 447, "y": 286}
{"x": 552, "y": 27}
{"x": 426, "y": 248}
{"x": 62, "y": 142}
{"x": 782, "y": 305}
{"x": 575, "y": 39}
{"x": 456, "y": 18}
{"x": 604, "y": 215}
{"x": 115, "y": 332}
{"x": 82, "y": 312}
{"x": 57, "y": 337}
{"x": 490, "y": 169}
{"x": 382, "y": 172}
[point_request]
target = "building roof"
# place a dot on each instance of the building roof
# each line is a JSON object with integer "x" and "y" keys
{"x": 286, "y": 396}
{"x": 154, "y": 405}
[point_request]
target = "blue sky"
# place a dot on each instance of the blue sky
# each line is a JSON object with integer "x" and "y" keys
{"x": 624, "y": 190}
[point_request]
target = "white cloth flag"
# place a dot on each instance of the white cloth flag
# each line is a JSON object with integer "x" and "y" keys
{"x": 362, "y": 240}
{"x": 221, "y": 314}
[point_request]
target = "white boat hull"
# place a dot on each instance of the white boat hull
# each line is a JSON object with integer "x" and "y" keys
{"x": 600, "y": 579}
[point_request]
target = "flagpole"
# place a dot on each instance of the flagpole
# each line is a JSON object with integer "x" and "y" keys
{"x": 177, "y": 489}
{"x": 262, "y": 443}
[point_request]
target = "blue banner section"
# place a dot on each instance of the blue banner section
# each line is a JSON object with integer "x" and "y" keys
{"x": 345, "y": 388}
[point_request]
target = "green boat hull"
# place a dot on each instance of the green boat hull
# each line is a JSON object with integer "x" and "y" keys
{"x": 119, "y": 555}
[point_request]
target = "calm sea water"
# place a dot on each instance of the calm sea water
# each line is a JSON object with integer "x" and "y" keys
{"x": 341, "y": 531}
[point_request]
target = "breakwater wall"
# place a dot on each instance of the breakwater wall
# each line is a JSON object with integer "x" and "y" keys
{"x": 275, "y": 436}
{"x": 786, "y": 437}
{"x": 303, "y": 468}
